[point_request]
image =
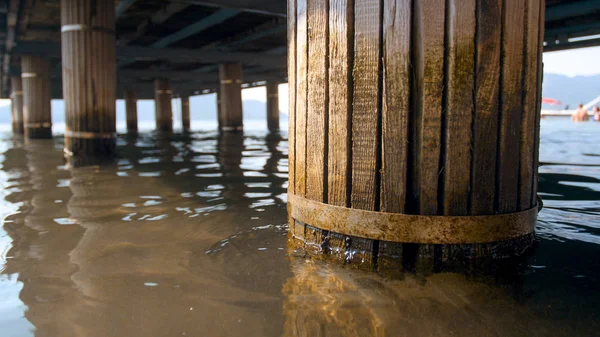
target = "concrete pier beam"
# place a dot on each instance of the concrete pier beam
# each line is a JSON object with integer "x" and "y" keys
{"x": 414, "y": 123}
{"x": 16, "y": 101}
{"x": 37, "y": 113}
{"x": 272, "y": 105}
{"x": 230, "y": 112}
{"x": 163, "y": 106}
{"x": 89, "y": 79}
{"x": 131, "y": 114}
{"x": 185, "y": 113}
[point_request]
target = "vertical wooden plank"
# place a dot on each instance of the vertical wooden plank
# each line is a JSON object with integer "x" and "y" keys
{"x": 316, "y": 118}
{"x": 395, "y": 104}
{"x": 428, "y": 60}
{"x": 301, "y": 95}
{"x": 341, "y": 28}
{"x": 366, "y": 113}
{"x": 512, "y": 105}
{"x": 540, "y": 78}
{"x": 291, "y": 22}
{"x": 531, "y": 50}
{"x": 487, "y": 91}
{"x": 185, "y": 113}
{"x": 37, "y": 116}
{"x": 459, "y": 106}
{"x": 230, "y": 75}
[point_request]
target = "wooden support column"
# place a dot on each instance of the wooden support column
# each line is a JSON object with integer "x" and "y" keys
{"x": 163, "y": 107}
{"x": 413, "y": 126}
{"x": 16, "y": 100}
{"x": 230, "y": 112}
{"x": 89, "y": 79}
{"x": 37, "y": 115}
{"x": 272, "y": 105}
{"x": 185, "y": 113}
{"x": 131, "y": 114}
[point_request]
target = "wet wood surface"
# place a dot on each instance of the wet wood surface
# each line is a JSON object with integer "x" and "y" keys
{"x": 185, "y": 113}
{"x": 301, "y": 95}
{"x": 231, "y": 114}
{"x": 163, "y": 106}
{"x": 16, "y": 102}
{"x": 272, "y": 105}
{"x": 131, "y": 110}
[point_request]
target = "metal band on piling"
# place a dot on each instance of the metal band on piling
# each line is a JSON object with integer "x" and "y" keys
{"x": 407, "y": 228}
{"x": 164, "y": 92}
{"x": 231, "y": 81}
{"x": 29, "y": 75}
{"x": 38, "y": 125}
{"x": 77, "y": 27}
{"x": 16, "y": 93}
{"x": 89, "y": 135}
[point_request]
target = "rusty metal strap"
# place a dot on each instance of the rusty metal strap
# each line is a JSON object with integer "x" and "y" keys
{"x": 89, "y": 135}
{"x": 41, "y": 125}
{"x": 408, "y": 228}
{"x": 77, "y": 27}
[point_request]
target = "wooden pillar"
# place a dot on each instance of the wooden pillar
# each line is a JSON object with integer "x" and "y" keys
{"x": 185, "y": 113}
{"x": 425, "y": 110}
{"x": 230, "y": 112}
{"x": 37, "y": 115}
{"x": 16, "y": 100}
{"x": 131, "y": 110}
{"x": 273, "y": 105}
{"x": 219, "y": 114}
{"x": 89, "y": 79}
{"x": 164, "y": 109}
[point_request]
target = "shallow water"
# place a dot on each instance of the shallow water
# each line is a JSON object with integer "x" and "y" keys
{"x": 187, "y": 237}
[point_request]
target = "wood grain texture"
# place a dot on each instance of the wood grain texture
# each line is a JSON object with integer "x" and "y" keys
{"x": 341, "y": 38}
{"x": 230, "y": 75}
{"x": 366, "y": 112}
{"x": 16, "y": 103}
{"x": 163, "y": 105}
{"x": 459, "y": 106}
{"x": 185, "y": 113}
{"x": 429, "y": 19}
{"x": 89, "y": 77}
{"x": 530, "y": 103}
{"x": 395, "y": 104}
{"x": 512, "y": 105}
{"x": 37, "y": 116}
{"x": 291, "y": 32}
{"x": 272, "y": 105}
{"x": 540, "y": 75}
{"x": 316, "y": 121}
{"x": 301, "y": 95}
{"x": 131, "y": 114}
{"x": 485, "y": 121}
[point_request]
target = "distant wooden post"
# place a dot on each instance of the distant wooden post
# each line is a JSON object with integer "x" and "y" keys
{"x": 16, "y": 100}
{"x": 163, "y": 107}
{"x": 37, "y": 115}
{"x": 219, "y": 114}
{"x": 272, "y": 105}
{"x": 89, "y": 79}
{"x": 409, "y": 120}
{"x": 185, "y": 113}
{"x": 230, "y": 75}
{"x": 131, "y": 114}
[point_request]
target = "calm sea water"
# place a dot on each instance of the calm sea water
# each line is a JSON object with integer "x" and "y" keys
{"x": 187, "y": 236}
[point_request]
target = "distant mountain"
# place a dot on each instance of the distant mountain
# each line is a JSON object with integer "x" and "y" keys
{"x": 570, "y": 91}
{"x": 202, "y": 108}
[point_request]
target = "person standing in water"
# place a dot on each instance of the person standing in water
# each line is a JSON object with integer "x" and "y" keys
{"x": 580, "y": 115}
{"x": 596, "y": 114}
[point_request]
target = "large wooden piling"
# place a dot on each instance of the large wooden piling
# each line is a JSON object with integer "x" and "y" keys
{"x": 185, "y": 113}
{"x": 413, "y": 122}
{"x": 37, "y": 115}
{"x": 163, "y": 106}
{"x": 272, "y": 105}
{"x": 16, "y": 101}
{"x": 89, "y": 79}
{"x": 131, "y": 114}
{"x": 230, "y": 112}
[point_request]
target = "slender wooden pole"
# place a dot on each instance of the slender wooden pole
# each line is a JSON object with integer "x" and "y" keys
{"x": 89, "y": 79}
{"x": 425, "y": 107}
{"x": 230, "y": 75}
{"x": 185, "y": 113}
{"x": 16, "y": 99}
{"x": 131, "y": 110}
{"x": 164, "y": 109}
{"x": 37, "y": 115}
{"x": 272, "y": 105}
